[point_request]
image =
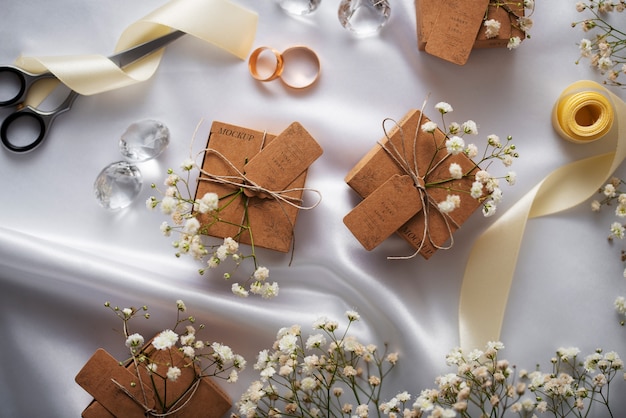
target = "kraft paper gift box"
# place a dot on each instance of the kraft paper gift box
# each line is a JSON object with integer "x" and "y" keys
{"x": 275, "y": 163}
{"x": 118, "y": 394}
{"x": 389, "y": 194}
{"x": 451, "y": 29}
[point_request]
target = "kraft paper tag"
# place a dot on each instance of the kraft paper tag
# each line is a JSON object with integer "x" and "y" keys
{"x": 455, "y": 29}
{"x": 284, "y": 159}
{"x": 384, "y": 211}
{"x": 96, "y": 378}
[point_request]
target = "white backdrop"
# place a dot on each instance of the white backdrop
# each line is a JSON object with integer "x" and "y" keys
{"x": 62, "y": 256}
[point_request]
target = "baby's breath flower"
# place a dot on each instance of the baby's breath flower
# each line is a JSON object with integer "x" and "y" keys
{"x": 429, "y": 127}
{"x": 471, "y": 151}
{"x": 510, "y": 177}
{"x": 514, "y": 42}
{"x": 489, "y": 208}
{"x": 469, "y": 127}
{"x": 239, "y": 290}
{"x": 454, "y": 128}
{"x": 617, "y": 230}
{"x": 188, "y": 164}
{"x": 443, "y": 107}
{"x": 173, "y": 373}
{"x": 569, "y": 353}
{"x": 353, "y": 316}
{"x": 208, "y": 203}
{"x": 168, "y": 205}
{"x": 492, "y": 28}
{"x": 152, "y": 203}
{"x": 452, "y": 202}
{"x": 261, "y": 273}
{"x": 456, "y": 172}
{"x": 455, "y": 145}
{"x": 477, "y": 189}
{"x": 166, "y": 339}
{"x": 134, "y": 340}
{"x": 269, "y": 291}
{"x": 233, "y": 376}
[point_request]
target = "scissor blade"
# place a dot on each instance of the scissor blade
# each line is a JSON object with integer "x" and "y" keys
{"x": 124, "y": 58}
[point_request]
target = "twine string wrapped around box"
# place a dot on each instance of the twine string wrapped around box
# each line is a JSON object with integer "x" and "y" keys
{"x": 240, "y": 181}
{"x": 150, "y": 412}
{"x": 412, "y": 170}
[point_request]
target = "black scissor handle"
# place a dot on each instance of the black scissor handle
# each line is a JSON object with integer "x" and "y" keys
{"x": 12, "y": 75}
{"x": 42, "y": 122}
{"x": 18, "y": 75}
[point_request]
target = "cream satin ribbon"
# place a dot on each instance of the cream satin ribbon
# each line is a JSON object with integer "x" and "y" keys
{"x": 584, "y": 112}
{"x": 219, "y": 22}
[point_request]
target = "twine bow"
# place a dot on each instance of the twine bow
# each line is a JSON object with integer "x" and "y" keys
{"x": 240, "y": 181}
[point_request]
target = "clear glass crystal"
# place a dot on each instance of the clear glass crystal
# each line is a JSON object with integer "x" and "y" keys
{"x": 117, "y": 185}
{"x": 299, "y": 7}
{"x": 364, "y": 17}
{"x": 144, "y": 140}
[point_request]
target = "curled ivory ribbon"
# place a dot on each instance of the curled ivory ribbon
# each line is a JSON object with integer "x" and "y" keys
{"x": 220, "y": 22}
{"x": 584, "y": 112}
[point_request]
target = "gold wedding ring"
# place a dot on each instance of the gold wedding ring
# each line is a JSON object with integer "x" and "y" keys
{"x": 264, "y": 68}
{"x": 297, "y": 67}
{"x": 302, "y": 67}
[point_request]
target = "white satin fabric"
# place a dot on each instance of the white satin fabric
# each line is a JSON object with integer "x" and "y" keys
{"x": 62, "y": 256}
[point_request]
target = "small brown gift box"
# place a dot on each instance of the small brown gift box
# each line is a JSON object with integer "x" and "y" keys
{"x": 127, "y": 399}
{"x": 450, "y": 30}
{"x": 372, "y": 175}
{"x": 274, "y": 163}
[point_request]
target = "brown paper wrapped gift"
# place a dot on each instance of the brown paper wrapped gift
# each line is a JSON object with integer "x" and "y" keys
{"x": 378, "y": 167}
{"x": 452, "y": 29}
{"x": 274, "y": 163}
{"x": 117, "y": 392}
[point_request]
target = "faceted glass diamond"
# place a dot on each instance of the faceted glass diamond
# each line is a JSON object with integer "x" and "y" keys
{"x": 364, "y": 17}
{"x": 299, "y": 7}
{"x": 144, "y": 140}
{"x": 117, "y": 185}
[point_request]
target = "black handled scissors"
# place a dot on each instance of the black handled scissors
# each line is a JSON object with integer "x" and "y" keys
{"x": 44, "y": 119}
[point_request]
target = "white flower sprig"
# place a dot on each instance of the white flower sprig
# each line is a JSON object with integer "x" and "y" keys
{"x": 486, "y": 186}
{"x": 486, "y": 385}
{"x": 179, "y": 204}
{"x": 523, "y": 22}
{"x": 328, "y": 374}
{"x": 613, "y": 194}
{"x": 604, "y": 42}
{"x": 206, "y": 359}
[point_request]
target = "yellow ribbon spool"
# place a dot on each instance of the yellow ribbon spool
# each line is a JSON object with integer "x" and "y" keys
{"x": 584, "y": 112}
{"x": 583, "y": 116}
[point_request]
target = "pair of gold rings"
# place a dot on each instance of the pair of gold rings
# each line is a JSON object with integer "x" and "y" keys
{"x": 297, "y": 67}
